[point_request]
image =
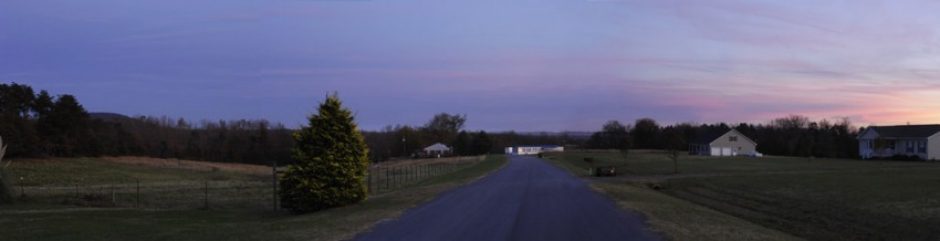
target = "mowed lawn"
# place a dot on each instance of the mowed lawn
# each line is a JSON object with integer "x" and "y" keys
{"x": 814, "y": 199}
{"x": 37, "y": 220}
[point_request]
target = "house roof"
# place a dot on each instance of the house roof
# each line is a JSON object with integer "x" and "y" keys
{"x": 708, "y": 136}
{"x": 906, "y": 131}
{"x": 437, "y": 147}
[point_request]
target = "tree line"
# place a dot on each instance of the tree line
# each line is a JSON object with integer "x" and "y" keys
{"x": 41, "y": 125}
{"x": 792, "y": 135}
{"x": 38, "y": 124}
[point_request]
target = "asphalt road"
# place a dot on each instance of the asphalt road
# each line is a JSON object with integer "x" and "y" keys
{"x": 528, "y": 199}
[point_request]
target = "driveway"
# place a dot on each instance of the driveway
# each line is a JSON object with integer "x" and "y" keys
{"x": 528, "y": 199}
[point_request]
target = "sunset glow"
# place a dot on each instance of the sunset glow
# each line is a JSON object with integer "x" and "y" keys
{"x": 570, "y": 65}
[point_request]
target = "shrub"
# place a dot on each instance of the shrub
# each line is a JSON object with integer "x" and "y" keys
{"x": 331, "y": 162}
{"x": 900, "y": 157}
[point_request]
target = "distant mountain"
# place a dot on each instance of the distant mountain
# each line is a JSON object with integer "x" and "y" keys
{"x": 107, "y": 116}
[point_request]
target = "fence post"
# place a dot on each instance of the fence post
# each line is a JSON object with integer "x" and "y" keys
{"x": 113, "y": 199}
{"x": 206, "y": 196}
{"x": 274, "y": 184}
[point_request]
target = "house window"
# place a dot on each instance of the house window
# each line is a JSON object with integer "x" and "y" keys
{"x": 922, "y": 147}
{"x": 910, "y": 147}
{"x": 732, "y": 138}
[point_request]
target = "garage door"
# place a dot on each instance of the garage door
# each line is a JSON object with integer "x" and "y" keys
{"x": 722, "y": 151}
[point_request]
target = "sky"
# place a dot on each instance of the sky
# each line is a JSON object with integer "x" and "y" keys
{"x": 524, "y": 65}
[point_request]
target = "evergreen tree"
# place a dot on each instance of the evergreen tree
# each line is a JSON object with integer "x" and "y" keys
{"x": 482, "y": 144}
{"x": 462, "y": 144}
{"x": 646, "y": 134}
{"x": 331, "y": 162}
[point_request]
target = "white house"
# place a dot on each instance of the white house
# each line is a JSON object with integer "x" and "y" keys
{"x": 723, "y": 143}
{"x": 437, "y": 150}
{"x": 922, "y": 141}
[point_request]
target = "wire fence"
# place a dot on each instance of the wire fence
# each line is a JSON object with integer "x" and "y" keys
{"x": 256, "y": 192}
{"x": 183, "y": 194}
{"x": 383, "y": 179}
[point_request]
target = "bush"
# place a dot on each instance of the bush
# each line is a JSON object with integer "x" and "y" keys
{"x": 331, "y": 162}
{"x": 906, "y": 158}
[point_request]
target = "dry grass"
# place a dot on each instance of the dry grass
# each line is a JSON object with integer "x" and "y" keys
{"x": 427, "y": 161}
{"x": 54, "y": 223}
{"x": 675, "y": 218}
{"x": 678, "y": 219}
{"x": 190, "y": 165}
{"x": 817, "y": 199}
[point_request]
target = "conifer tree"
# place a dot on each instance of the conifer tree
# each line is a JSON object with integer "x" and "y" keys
{"x": 331, "y": 162}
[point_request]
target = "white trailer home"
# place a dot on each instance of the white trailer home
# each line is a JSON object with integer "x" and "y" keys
{"x": 533, "y": 150}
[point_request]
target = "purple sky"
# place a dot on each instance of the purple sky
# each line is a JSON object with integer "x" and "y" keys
{"x": 523, "y": 65}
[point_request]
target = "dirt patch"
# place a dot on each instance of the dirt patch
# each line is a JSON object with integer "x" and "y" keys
{"x": 426, "y": 161}
{"x": 190, "y": 165}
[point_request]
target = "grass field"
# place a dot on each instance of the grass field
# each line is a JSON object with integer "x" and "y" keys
{"x": 815, "y": 199}
{"x": 44, "y": 221}
{"x": 142, "y": 182}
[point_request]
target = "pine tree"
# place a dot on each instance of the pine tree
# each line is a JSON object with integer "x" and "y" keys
{"x": 331, "y": 162}
{"x": 482, "y": 143}
{"x": 462, "y": 144}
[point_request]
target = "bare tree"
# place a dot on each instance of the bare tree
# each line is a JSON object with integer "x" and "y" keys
{"x": 674, "y": 143}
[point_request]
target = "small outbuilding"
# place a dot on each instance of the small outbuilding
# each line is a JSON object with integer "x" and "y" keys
{"x": 437, "y": 150}
{"x": 723, "y": 143}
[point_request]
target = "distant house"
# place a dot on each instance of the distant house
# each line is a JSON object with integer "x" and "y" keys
{"x": 437, "y": 150}
{"x": 922, "y": 141}
{"x": 533, "y": 150}
{"x": 723, "y": 143}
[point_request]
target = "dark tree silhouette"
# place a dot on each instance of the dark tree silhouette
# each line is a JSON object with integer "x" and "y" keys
{"x": 331, "y": 162}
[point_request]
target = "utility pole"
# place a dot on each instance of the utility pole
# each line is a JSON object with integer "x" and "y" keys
{"x": 404, "y": 147}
